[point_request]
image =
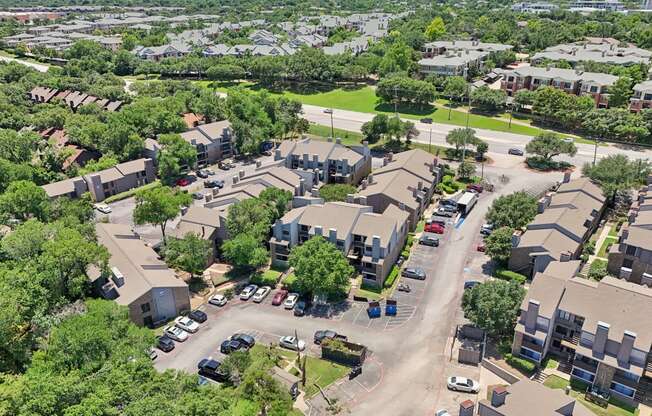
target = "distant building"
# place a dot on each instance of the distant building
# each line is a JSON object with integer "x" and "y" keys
{"x": 535, "y": 8}
{"x": 73, "y": 99}
{"x": 601, "y": 50}
{"x": 589, "y": 6}
{"x": 642, "y": 98}
{"x": 213, "y": 141}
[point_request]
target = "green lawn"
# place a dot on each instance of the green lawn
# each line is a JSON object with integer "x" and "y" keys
{"x": 131, "y": 192}
{"x": 323, "y": 373}
{"x": 349, "y": 138}
{"x": 603, "y": 248}
{"x": 577, "y": 391}
{"x": 551, "y": 363}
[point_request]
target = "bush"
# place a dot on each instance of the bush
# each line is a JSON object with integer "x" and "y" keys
{"x": 539, "y": 163}
{"x": 598, "y": 269}
{"x": 290, "y": 283}
{"x": 522, "y": 364}
{"x": 509, "y": 275}
{"x": 268, "y": 278}
{"x": 391, "y": 278}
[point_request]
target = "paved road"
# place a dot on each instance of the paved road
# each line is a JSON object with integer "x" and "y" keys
{"x": 38, "y": 67}
{"x": 499, "y": 142}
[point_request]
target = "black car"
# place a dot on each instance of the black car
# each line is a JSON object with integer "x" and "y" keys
{"x": 327, "y": 334}
{"x": 247, "y": 340}
{"x": 428, "y": 239}
{"x": 515, "y": 151}
{"x": 301, "y": 307}
{"x": 231, "y": 345}
{"x": 470, "y": 284}
{"x": 448, "y": 203}
{"x": 212, "y": 369}
{"x": 214, "y": 183}
{"x": 202, "y": 174}
{"x": 198, "y": 316}
{"x": 164, "y": 344}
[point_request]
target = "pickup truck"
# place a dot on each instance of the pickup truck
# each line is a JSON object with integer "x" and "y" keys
{"x": 320, "y": 336}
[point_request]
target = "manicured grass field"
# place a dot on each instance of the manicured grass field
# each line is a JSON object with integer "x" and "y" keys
{"x": 577, "y": 391}
{"x": 323, "y": 373}
{"x": 349, "y": 138}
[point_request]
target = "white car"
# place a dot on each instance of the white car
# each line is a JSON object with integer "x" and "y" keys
{"x": 217, "y": 300}
{"x": 568, "y": 140}
{"x": 103, "y": 208}
{"x": 187, "y": 324}
{"x": 176, "y": 333}
{"x": 248, "y": 292}
{"x": 292, "y": 343}
{"x": 463, "y": 384}
{"x": 442, "y": 412}
{"x": 262, "y": 293}
{"x": 291, "y": 300}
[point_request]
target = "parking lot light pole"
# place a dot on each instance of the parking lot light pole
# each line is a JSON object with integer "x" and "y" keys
{"x": 429, "y": 122}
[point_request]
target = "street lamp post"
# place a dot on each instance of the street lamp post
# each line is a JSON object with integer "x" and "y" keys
{"x": 429, "y": 122}
{"x": 330, "y": 111}
{"x": 595, "y": 150}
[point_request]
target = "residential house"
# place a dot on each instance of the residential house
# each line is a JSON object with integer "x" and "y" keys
{"x": 156, "y": 53}
{"x": 642, "y": 97}
{"x": 78, "y": 155}
{"x": 565, "y": 222}
{"x": 331, "y": 162}
{"x": 570, "y": 81}
{"x": 213, "y": 141}
{"x": 599, "y": 330}
{"x": 631, "y": 257}
{"x": 406, "y": 180}
{"x": 372, "y": 242}
{"x": 263, "y": 37}
{"x": 137, "y": 278}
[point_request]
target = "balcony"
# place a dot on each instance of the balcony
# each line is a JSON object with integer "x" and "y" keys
{"x": 527, "y": 343}
{"x": 625, "y": 272}
{"x": 590, "y": 366}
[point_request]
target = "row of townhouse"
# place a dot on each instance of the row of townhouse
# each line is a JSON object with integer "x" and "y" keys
{"x": 565, "y": 221}
{"x": 72, "y": 99}
{"x": 631, "y": 257}
{"x": 534, "y": 8}
{"x": 457, "y": 57}
{"x": 599, "y": 330}
{"x": 213, "y": 141}
{"x": 102, "y": 184}
{"x": 60, "y": 40}
{"x": 571, "y": 81}
{"x": 600, "y": 50}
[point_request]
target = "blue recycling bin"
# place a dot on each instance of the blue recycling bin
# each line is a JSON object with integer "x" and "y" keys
{"x": 390, "y": 307}
{"x": 373, "y": 310}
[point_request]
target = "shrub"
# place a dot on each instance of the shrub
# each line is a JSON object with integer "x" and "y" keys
{"x": 290, "y": 283}
{"x": 391, "y": 278}
{"x": 598, "y": 269}
{"x": 522, "y": 364}
{"x": 509, "y": 275}
{"x": 268, "y": 278}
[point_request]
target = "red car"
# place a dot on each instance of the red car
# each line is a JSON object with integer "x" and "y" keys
{"x": 434, "y": 228}
{"x": 279, "y": 297}
{"x": 183, "y": 182}
{"x": 481, "y": 247}
{"x": 475, "y": 187}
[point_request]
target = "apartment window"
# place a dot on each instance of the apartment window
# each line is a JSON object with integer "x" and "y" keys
{"x": 628, "y": 375}
{"x": 144, "y": 308}
{"x": 647, "y": 97}
{"x": 564, "y": 315}
{"x": 631, "y": 251}
{"x": 286, "y": 233}
{"x": 535, "y": 341}
{"x": 561, "y": 330}
{"x": 624, "y": 390}
{"x": 594, "y": 89}
{"x": 583, "y": 375}
{"x": 628, "y": 263}
{"x": 533, "y": 355}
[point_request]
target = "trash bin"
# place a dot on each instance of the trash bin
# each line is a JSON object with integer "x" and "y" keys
{"x": 373, "y": 310}
{"x": 390, "y": 307}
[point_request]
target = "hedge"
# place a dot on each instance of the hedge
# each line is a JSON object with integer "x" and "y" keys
{"x": 509, "y": 275}
{"x": 522, "y": 364}
{"x": 391, "y": 278}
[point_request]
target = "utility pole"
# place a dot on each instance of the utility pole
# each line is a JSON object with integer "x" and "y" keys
{"x": 468, "y": 113}
{"x": 595, "y": 150}
{"x": 428, "y": 121}
{"x": 332, "y": 126}
{"x": 511, "y": 111}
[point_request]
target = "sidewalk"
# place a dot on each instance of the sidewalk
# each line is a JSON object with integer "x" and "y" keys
{"x": 598, "y": 243}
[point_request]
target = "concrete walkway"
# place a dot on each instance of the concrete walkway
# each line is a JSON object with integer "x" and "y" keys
{"x": 598, "y": 243}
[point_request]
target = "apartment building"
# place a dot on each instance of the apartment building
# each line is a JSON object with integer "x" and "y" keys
{"x": 406, "y": 180}
{"x": 213, "y": 141}
{"x": 642, "y": 97}
{"x": 120, "y": 178}
{"x": 330, "y": 161}
{"x": 527, "y": 397}
{"x": 565, "y": 222}
{"x": 535, "y": 8}
{"x": 73, "y": 99}
{"x": 137, "y": 278}
{"x": 599, "y": 329}
{"x": 601, "y": 50}
{"x": 459, "y": 63}
{"x": 372, "y": 242}
{"x": 590, "y": 6}
{"x": 631, "y": 257}
{"x": 570, "y": 81}
{"x": 441, "y": 47}
{"x": 156, "y": 53}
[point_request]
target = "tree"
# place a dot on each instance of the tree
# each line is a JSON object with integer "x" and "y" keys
{"x": 466, "y": 169}
{"x": 616, "y": 173}
{"x": 455, "y": 87}
{"x": 515, "y": 210}
{"x": 398, "y": 58}
{"x": 620, "y": 92}
{"x": 159, "y": 205}
{"x": 189, "y": 253}
{"x": 244, "y": 251}
{"x": 225, "y": 72}
{"x": 375, "y": 129}
{"x": 175, "y": 155}
{"x": 18, "y": 147}
{"x": 320, "y": 267}
{"x": 460, "y": 138}
{"x": 436, "y": 29}
{"x": 336, "y": 191}
{"x": 250, "y": 216}
{"x": 481, "y": 148}
{"x": 494, "y": 306}
{"x": 277, "y": 200}
{"x": 498, "y": 245}
{"x": 488, "y": 100}
{"x": 23, "y": 200}
{"x": 548, "y": 145}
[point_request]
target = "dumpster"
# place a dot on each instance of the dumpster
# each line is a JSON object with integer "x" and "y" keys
{"x": 390, "y": 307}
{"x": 373, "y": 310}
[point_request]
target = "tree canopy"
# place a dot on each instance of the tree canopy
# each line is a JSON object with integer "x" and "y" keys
{"x": 494, "y": 306}
{"x": 159, "y": 205}
{"x": 514, "y": 210}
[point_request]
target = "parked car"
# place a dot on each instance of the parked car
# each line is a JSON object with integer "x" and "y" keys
{"x": 176, "y": 333}
{"x": 486, "y": 229}
{"x": 291, "y": 301}
{"x": 247, "y": 340}
{"x": 569, "y": 140}
{"x": 436, "y": 219}
{"x": 225, "y": 165}
{"x": 434, "y": 228}
{"x": 153, "y": 355}
{"x": 443, "y": 212}
{"x": 327, "y": 334}
{"x": 279, "y": 297}
{"x": 217, "y": 299}
{"x": 186, "y": 324}
{"x": 198, "y": 195}
{"x": 231, "y": 345}
{"x": 164, "y": 343}
{"x": 475, "y": 187}
{"x": 210, "y": 368}
{"x": 198, "y": 316}
{"x": 404, "y": 287}
{"x": 301, "y": 307}
{"x": 209, "y": 171}
{"x": 292, "y": 343}
{"x": 448, "y": 203}
{"x": 414, "y": 273}
{"x": 463, "y": 384}
{"x": 428, "y": 239}
{"x": 515, "y": 151}
{"x": 262, "y": 293}
{"x": 214, "y": 183}
{"x": 481, "y": 247}
{"x": 248, "y": 292}
{"x": 470, "y": 284}
{"x": 442, "y": 412}
{"x": 183, "y": 182}
{"x": 202, "y": 174}
{"x": 103, "y": 208}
